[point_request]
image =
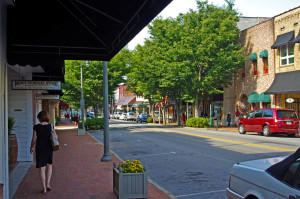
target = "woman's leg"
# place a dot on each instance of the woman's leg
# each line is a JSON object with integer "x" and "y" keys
{"x": 49, "y": 174}
{"x": 43, "y": 177}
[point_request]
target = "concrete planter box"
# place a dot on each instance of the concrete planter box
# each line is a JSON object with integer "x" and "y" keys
{"x": 130, "y": 185}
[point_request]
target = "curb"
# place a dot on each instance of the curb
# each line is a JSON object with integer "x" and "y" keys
{"x": 149, "y": 179}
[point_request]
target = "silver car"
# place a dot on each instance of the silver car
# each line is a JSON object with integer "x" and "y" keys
{"x": 272, "y": 178}
{"x": 130, "y": 116}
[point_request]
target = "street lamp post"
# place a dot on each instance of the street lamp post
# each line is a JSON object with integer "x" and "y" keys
{"x": 82, "y": 98}
{"x": 82, "y": 106}
{"x": 106, "y": 156}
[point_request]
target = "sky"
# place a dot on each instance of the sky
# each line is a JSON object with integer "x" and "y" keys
{"x": 247, "y": 8}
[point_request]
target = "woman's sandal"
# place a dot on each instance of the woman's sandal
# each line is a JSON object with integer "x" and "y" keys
{"x": 44, "y": 191}
{"x": 49, "y": 188}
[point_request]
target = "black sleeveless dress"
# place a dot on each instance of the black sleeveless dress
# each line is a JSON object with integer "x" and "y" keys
{"x": 43, "y": 147}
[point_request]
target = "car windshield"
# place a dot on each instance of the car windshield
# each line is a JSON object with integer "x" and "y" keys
{"x": 286, "y": 114}
{"x": 144, "y": 115}
{"x": 130, "y": 114}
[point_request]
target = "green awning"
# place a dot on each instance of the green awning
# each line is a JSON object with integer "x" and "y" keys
{"x": 263, "y": 53}
{"x": 264, "y": 97}
{"x": 253, "y": 56}
{"x": 136, "y": 105}
{"x": 253, "y": 98}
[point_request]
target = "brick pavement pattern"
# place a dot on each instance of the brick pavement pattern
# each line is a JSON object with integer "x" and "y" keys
{"x": 78, "y": 172}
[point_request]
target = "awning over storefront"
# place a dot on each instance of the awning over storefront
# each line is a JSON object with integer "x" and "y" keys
{"x": 285, "y": 83}
{"x": 253, "y": 98}
{"x": 140, "y": 105}
{"x": 127, "y": 100}
{"x": 283, "y": 40}
{"x": 264, "y": 97}
{"x": 253, "y": 56}
{"x": 297, "y": 39}
{"x": 263, "y": 53}
{"x": 75, "y": 30}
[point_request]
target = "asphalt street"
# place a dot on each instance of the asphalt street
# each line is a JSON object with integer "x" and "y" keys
{"x": 191, "y": 163}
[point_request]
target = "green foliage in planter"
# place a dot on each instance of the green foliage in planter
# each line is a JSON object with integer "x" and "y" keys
{"x": 131, "y": 167}
{"x": 57, "y": 118}
{"x": 99, "y": 114}
{"x": 150, "y": 120}
{"x": 11, "y": 124}
{"x": 198, "y": 122}
{"x": 94, "y": 123}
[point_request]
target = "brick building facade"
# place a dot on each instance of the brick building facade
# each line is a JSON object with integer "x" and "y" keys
{"x": 258, "y": 73}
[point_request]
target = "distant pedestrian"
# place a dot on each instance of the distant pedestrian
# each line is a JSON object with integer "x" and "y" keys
{"x": 237, "y": 117}
{"x": 228, "y": 119}
{"x": 42, "y": 147}
{"x": 183, "y": 118}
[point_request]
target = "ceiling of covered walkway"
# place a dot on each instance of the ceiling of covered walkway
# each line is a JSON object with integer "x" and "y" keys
{"x": 50, "y": 31}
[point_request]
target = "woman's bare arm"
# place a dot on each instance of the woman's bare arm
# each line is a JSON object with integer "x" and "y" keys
{"x": 33, "y": 141}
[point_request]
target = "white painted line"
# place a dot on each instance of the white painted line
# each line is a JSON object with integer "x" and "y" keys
{"x": 201, "y": 193}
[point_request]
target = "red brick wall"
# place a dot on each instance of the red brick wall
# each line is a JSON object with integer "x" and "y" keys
{"x": 124, "y": 92}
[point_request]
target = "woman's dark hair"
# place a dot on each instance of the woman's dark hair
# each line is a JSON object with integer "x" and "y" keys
{"x": 43, "y": 116}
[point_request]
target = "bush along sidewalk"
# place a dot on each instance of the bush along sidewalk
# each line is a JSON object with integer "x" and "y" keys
{"x": 94, "y": 124}
{"x": 150, "y": 120}
{"x": 199, "y": 122}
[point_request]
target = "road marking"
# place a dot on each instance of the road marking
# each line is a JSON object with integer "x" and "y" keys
{"x": 201, "y": 193}
{"x": 229, "y": 141}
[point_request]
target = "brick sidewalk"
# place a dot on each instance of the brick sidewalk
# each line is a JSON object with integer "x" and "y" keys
{"x": 77, "y": 171}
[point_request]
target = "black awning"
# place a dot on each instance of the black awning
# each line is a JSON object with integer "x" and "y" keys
{"x": 283, "y": 39}
{"x": 76, "y": 29}
{"x": 285, "y": 83}
{"x": 297, "y": 39}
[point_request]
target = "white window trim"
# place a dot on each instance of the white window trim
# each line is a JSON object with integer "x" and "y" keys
{"x": 287, "y": 56}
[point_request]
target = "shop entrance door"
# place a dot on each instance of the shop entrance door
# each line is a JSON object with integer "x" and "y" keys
{"x": 295, "y": 106}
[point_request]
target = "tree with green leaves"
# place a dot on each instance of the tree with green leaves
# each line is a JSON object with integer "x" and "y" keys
{"x": 118, "y": 67}
{"x": 190, "y": 57}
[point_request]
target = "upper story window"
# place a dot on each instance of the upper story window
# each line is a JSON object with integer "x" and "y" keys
{"x": 264, "y": 56}
{"x": 253, "y": 58}
{"x": 286, "y": 55}
{"x": 254, "y": 65}
{"x": 266, "y": 65}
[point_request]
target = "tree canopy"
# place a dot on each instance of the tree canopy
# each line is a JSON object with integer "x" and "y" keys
{"x": 191, "y": 57}
{"x": 118, "y": 67}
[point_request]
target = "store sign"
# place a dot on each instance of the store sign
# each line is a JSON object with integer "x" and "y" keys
{"x": 35, "y": 85}
{"x": 48, "y": 97}
{"x": 289, "y": 100}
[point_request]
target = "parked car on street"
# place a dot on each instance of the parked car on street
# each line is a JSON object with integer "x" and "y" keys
{"x": 90, "y": 115}
{"x": 271, "y": 178}
{"x": 115, "y": 115}
{"x": 123, "y": 116}
{"x": 119, "y": 115}
{"x": 142, "y": 118}
{"x": 130, "y": 116}
{"x": 270, "y": 121}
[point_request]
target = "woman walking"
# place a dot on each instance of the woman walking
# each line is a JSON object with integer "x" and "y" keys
{"x": 42, "y": 146}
